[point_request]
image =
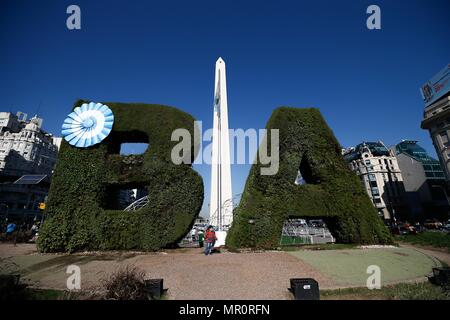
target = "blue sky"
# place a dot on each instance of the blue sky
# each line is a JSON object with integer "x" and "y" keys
{"x": 295, "y": 53}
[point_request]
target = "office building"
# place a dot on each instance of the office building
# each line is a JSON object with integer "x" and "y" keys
{"x": 423, "y": 179}
{"x": 380, "y": 175}
{"x": 436, "y": 116}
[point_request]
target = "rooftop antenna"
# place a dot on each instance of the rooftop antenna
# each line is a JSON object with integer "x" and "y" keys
{"x": 38, "y": 109}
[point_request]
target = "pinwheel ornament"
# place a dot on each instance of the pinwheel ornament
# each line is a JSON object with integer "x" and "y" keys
{"x": 88, "y": 125}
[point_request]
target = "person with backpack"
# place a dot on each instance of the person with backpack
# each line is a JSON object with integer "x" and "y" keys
{"x": 11, "y": 232}
{"x": 210, "y": 239}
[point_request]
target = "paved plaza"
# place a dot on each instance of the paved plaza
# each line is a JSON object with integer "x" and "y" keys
{"x": 188, "y": 274}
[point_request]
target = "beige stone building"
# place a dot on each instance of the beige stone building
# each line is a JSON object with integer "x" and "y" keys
{"x": 27, "y": 158}
{"x": 380, "y": 175}
{"x": 436, "y": 119}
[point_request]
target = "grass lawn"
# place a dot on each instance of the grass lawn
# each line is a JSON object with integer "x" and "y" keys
{"x": 46, "y": 294}
{"x": 324, "y": 246}
{"x": 434, "y": 239}
{"x": 349, "y": 267}
{"x": 402, "y": 291}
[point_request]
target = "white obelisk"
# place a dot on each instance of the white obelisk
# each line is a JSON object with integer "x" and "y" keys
{"x": 221, "y": 204}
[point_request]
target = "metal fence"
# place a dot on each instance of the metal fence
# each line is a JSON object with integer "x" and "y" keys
{"x": 297, "y": 231}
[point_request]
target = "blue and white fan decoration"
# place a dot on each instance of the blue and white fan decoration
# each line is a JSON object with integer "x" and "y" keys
{"x": 88, "y": 125}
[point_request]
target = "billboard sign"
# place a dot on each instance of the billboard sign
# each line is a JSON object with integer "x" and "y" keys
{"x": 436, "y": 87}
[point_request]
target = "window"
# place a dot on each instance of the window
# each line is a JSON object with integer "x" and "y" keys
{"x": 444, "y": 137}
{"x": 368, "y": 162}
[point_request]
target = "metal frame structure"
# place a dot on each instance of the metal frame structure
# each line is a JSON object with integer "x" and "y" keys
{"x": 228, "y": 204}
{"x": 138, "y": 204}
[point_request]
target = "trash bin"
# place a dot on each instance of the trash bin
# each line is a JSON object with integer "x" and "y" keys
{"x": 441, "y": 276}
{"x": 305, "y": 289}
{"x": 201, "y": 238}
{"x": 154, "y": 287}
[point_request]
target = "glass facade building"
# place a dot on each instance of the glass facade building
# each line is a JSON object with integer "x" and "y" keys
{"x": 431, "y": 166}
{"x": 424, "y": 180}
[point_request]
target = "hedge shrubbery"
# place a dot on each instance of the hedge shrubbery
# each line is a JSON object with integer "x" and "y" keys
{"x": 332, "y": 191}
{"x": 85, "y": 183}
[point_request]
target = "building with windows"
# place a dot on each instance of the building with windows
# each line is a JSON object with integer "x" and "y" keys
{"x": 423, "y": 179}
{"x": 436, "y": 116}
{"x": 27, "y": 159}
{"x": 380, "y": 175}
{"x": 437, "y": 121}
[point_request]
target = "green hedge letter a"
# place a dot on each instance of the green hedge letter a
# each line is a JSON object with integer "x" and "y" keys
{"x": 313, "y": 180}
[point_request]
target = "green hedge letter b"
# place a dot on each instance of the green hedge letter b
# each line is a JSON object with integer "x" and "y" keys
{"x": 83, "y": 211}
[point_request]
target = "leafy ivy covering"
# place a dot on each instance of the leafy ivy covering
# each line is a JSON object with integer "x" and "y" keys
{"x": 86, "y": 180}
{"x": 331, "y": 192}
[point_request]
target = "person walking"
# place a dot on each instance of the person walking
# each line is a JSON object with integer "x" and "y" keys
{"x": 11, "y": 232}
{"x": 210, "y": 239}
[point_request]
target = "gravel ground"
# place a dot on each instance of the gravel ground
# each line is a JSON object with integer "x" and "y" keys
{"x": 9, "y": 250}
{"x": 441, "y": 254}
{"x": 229, "y": 275}
{"x": 187, "y": 273}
